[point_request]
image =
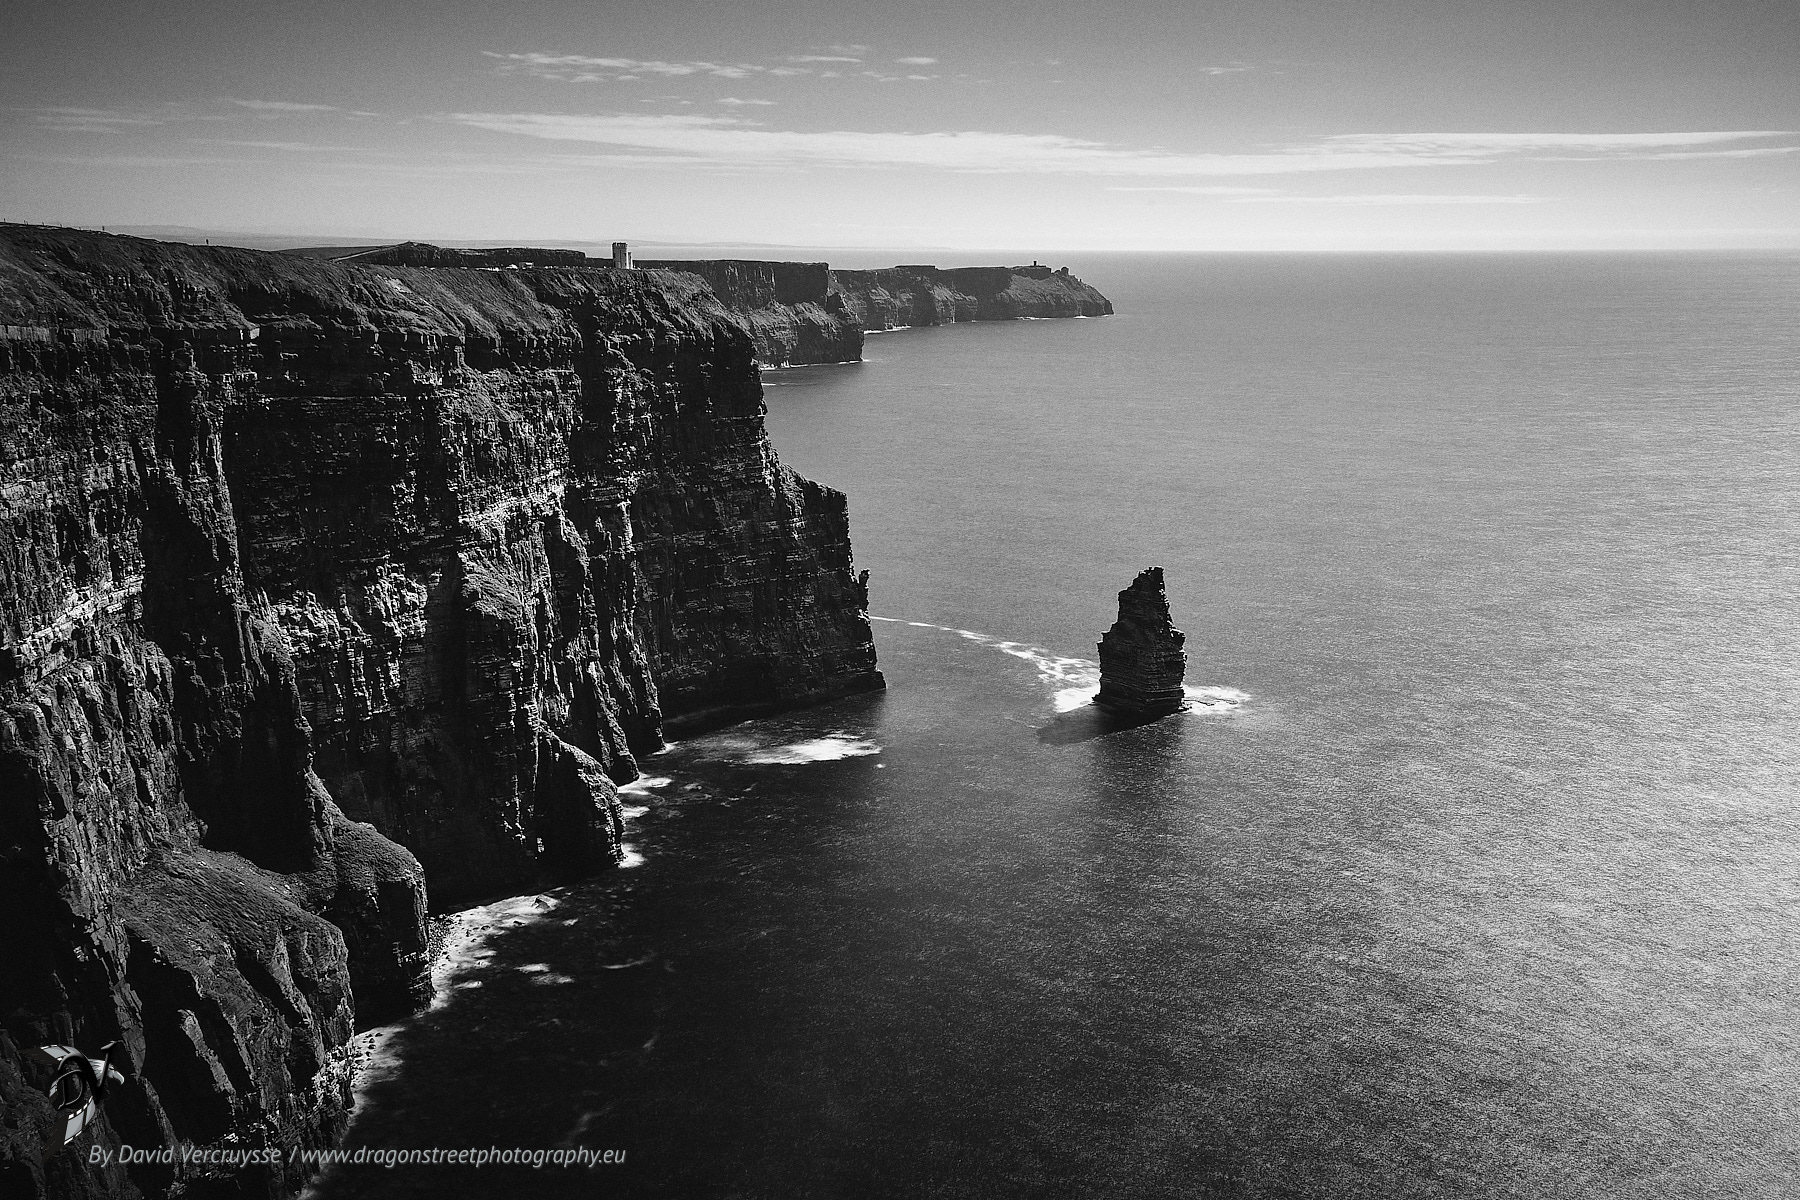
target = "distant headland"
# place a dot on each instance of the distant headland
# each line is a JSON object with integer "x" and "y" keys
{"x": 798, "y": 313}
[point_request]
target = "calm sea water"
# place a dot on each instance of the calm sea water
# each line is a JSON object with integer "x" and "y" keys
{"x": 1474, "y": 871}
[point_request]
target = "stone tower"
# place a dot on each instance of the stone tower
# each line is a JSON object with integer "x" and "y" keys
{"x": 1141, "y": 659}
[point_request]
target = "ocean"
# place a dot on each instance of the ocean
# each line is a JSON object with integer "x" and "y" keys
{"x": 1472, "y": 871}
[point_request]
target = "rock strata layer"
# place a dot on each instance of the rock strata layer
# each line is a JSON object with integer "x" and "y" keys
{"x": 1141, "y": 657}
{"x": 322, "y": 582}
{"x": 790, "y": 309}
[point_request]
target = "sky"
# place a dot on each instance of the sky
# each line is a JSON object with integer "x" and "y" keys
{"x": 1058, "y": 125}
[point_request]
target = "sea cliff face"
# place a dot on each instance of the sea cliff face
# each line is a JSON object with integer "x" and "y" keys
{"x": 791, "y": 310}
{"x": 903, "y": 296}
{"x": 321, "y": 583}
{"x": 801, "y": 313}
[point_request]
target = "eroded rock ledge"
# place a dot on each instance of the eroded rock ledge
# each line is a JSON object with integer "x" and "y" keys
{"x": 320, "y": 583}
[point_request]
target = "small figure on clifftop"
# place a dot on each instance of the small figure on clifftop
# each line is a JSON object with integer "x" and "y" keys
{"x": 1141, "y": 659}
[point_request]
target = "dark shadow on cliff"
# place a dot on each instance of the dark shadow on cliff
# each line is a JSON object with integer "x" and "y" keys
{"x": 1091, "y": 721}
{"x": 861, "y": 694}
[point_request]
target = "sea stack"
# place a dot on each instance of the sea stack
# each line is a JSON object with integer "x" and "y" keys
{"x": 1141, "y": 659}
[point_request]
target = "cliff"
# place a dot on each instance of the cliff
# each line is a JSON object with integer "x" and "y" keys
{"x": 903, "y": 296}
{"x": 793, "y": 315}
{"x": 1141, "y": 657}
{"x": 302, "y": 563}
{"x": 802, "y": 313}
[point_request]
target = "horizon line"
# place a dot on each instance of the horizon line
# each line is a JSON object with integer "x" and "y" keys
{"x": 1775, "y": 240}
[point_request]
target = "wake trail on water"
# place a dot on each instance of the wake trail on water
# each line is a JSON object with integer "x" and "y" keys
{"x": 1076, "y": 681}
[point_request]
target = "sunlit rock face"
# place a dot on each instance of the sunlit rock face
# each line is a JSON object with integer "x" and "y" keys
{"x": 320, "y": 583}
{"x": 789, "y": 308}
{"x": 1141, "y": 657}
{"x": 895, "y": 297}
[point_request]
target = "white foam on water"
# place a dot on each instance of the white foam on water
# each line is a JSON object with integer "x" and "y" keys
{"x": 630, "y": 857}
{"x": 466, "y": 948}
{"x": 829, "y": 748}
{"x": 1214, "y": 701}
{"x": 1055, "y": 668}
{"x": 1076, "y": 681}
{"x": 727, "y": 744}
{"x": 636, "y": 962}
{"x": 640, "y": 787}
{"x": 1071, "y": 698}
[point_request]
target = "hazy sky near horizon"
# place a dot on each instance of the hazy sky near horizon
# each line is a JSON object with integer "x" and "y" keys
{"x": 1467, "y": 124}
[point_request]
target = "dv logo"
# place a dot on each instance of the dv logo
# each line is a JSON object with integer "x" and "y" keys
{"x": 79, "y": 1084}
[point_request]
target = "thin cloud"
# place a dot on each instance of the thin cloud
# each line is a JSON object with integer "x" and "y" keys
{"x": 587, "y": 68}
{"x": 296, "y": 146}
{"x": 93, "y": 120}
{"x": 583, "y": 68}
{"x": 1199, "y": 190}
{"x": 1754, "y": 152}
{"x": 727, "y": 141}
{"x": 136, "y": 160}
{"x": 1537, "y": 144}
{"x": 282, "y": 106}
{"x": 733, "y": 100}
{"x": 917, "y": 62}
{"x": 1389, "y": 198}
{"x": 71, "y": 119}
{"x": 1234, "y": 69}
